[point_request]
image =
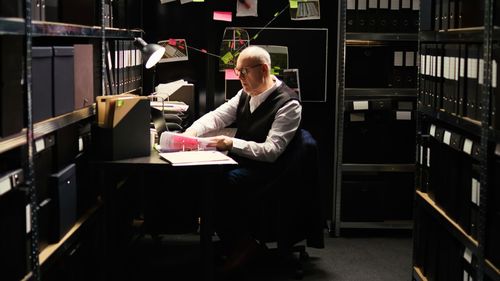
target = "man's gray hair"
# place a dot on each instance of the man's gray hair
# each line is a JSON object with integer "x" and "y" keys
{"x": 257, "y": 53}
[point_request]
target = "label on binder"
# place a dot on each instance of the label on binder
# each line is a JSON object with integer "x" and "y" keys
{"x": 447, "y": 137}
{"x": 39, "y": 145}
{"x": 5, "y": 185}
{"x": 468, "y": 146}
{"x": 432, "y": 130}
{"x": 403, "y": 115}
{"x": 360, "y": 105}
{"x": 468, "y": 255}
{"x": 28, "y": 218}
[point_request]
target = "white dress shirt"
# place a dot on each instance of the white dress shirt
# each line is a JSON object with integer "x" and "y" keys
{"x": 283, "y": 129}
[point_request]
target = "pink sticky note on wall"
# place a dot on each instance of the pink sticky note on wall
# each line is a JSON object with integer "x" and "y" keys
{"x": 223, "y": 16}
{"x": 230, "y": 75}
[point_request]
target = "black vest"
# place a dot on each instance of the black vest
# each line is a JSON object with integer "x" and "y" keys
{"x": 255, "y": 126}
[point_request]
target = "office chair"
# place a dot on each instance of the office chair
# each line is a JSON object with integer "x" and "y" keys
{"x": 292, "y": 212}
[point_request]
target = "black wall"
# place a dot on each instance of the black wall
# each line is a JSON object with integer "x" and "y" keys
{"x": 193, "y": 22}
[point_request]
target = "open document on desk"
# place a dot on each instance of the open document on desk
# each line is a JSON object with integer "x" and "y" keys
{"x": 195, "y": 158}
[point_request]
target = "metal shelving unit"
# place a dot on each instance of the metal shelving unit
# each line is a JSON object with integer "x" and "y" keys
{"x": 345, "y": 41}
{"x": 481, "y": 129}
{"x": 29, "y": 29}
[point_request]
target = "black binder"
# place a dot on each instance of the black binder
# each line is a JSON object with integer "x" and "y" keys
{"x": 42, "y": 85}
{"x": 63, "y": 194}
{"x": 11, "y": 89}
{"x": 426, "y": 15}
{"x": 64, "y": 80}
{"x": 13, "y": 237}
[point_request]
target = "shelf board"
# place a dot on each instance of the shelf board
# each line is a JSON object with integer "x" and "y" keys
{"x": 13, "y": 141}
{"x": 418, "y": 274}
{"x": 399, "y": 224}
{"x": 395, "y": 168}
{"x": 11, "y": 26}
{"x": 16, "y": 26}
{"x": 462, "y": 235}
{"x": 491, "y": 270}
{"x": 464, "y": 123}
{"x": 53, "y": 124}
{"x": 474, "y": 34}
{"x": 380, "y": 36}
{"x": 65, "y": 242}
{"x": 381, "y": 92}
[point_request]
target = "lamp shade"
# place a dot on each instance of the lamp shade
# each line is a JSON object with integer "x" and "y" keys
{"x": 151, "y": 53}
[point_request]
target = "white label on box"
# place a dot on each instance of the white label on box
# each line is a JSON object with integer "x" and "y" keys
{"x": 468, "y": 146}
{"x": 468, "y": 255}
{"x": 361, "y": 4}
{"x": 457, "y": 68}
{"x": 478, "y": 193}
{"x": 394, "y": 4}
{"x": 473, "y": 195}
{"x": 428, "y": 157}
{"x": 357, "y": 117}
{"x": 410, "y": 58}
{"x": 494, "y": 73}
{"x": 472, "y": 68}
{"x": 416, "y": 5}
{"x": 403, "y": 115}
{"x": 405, "y": 4}
{"x": 39, "y": 145}
{"x": 80, "y": 144}
{"x": 384, "y": 4}
{"x": 480, "y": 73}
{"x": 372, "y": 4}
{"x": 5, "y": 185}
{"x": 28, "y": 218}
{"x": 432, "y": 130}
{"x": 351, "y": 4}
{"x": 360, "y": 105}
{"x": 462, "y": 67}
{"x": 466, "y": 276}
{"x": 447, "y": 137}
{"x": 438, "y": 70}
{"x": 398, "y": 58}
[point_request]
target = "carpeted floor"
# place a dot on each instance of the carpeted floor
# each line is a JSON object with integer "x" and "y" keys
{"x": 353, "y": 258}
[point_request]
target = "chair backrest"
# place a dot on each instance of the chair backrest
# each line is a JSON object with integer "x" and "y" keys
{"x": 293, "y": 210}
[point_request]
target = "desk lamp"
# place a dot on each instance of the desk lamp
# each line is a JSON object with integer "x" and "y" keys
{"x": 151, "y": 53}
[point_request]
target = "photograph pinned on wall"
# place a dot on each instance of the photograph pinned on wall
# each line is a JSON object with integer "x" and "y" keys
{"x": 175, "y": 50}
{"x": 233, "y": 41}
{"x": 304, "y": 10}
{"x": 291, "y": 78}
{"x": 246, "y": 8}
{"x": 279, "y": 58}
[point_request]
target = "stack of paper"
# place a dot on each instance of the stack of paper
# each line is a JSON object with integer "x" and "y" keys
{"x": 192, "y": 158}
{"x": 170, "y": 141}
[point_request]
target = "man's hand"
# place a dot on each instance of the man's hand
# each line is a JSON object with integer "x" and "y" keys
{"x": 222, "y": 143}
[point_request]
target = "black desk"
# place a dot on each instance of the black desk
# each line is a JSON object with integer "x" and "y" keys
{"x": 111, "y": 173}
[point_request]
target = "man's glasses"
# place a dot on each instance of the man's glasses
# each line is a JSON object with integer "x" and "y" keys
{"x": 244, "y": 71}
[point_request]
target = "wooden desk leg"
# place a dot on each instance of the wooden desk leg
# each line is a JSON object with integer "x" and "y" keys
{"x": 206, "y": 228}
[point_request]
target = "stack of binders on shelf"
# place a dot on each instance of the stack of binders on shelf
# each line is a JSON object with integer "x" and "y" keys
{"x": 451, "y": 166}
{"x": 440, "y": 256}
{"x": 15, "y": 224}
{"x": 450, "y": 14}
{"x": 451, "y": 77}
{"x": 393, "y": 16}
{"x": 123, "y": 67}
